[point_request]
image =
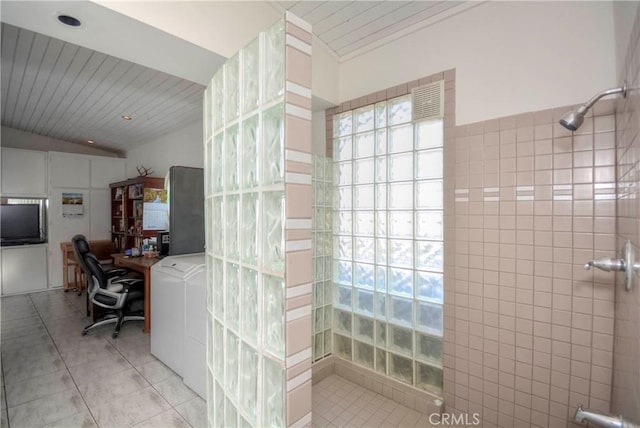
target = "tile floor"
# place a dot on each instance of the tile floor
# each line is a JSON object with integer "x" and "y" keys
{"x": 338, "y": 402}
{"x": 54, "y": 377}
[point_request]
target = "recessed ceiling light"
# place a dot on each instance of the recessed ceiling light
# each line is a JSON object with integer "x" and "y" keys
{"x": 69, "y": 21}
{"x": 126, "y": 117}
{"x": 91, "y": 142}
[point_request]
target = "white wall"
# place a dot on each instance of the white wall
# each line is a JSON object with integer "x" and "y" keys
{"x": 318, "y": 133}
{"x": 325, "y": 72}
{"x": 25, "y": 140}
{"x": 624, "y": 13}
{"x": 224, "y": 27}
{"x": 183, "y": 147}
{"x": 510, "y": 57}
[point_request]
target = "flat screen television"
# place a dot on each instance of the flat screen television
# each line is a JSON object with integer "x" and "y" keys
{"x": 21, "y": 224}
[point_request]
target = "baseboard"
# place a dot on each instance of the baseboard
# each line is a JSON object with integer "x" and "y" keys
{"x": 322, "y": 369}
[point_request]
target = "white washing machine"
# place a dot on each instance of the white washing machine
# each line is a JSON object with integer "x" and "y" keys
{"x": 195, "y": 334}
{"x": 168, "y": 279}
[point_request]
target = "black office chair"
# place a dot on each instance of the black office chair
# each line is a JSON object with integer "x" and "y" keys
{"x": 81, "y": 247}
{"x": 122, "y": 296}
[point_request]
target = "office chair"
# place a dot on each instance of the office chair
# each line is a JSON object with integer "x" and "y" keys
{"x": 120, "y": 295}
{"x": 81, "y": 247}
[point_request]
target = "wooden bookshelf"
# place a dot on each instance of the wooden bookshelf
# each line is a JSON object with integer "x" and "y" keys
{"x": 127, "y": 210}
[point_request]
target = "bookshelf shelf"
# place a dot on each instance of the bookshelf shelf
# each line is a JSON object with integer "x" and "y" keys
{"x": 127, "y": 210}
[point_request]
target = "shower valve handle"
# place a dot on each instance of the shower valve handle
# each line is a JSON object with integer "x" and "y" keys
{"x": 607, "y": 264}
{"x": 626, "y": 263}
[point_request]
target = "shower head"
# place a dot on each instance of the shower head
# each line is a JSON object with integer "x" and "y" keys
{"x": 573, "y": 119}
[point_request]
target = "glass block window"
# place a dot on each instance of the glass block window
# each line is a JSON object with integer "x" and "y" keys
{"x": 388, "y": 242}
{"x": 322, "y": 241}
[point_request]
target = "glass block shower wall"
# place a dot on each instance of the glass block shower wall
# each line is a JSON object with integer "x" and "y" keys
{"x": 322, "y": 241}
{"x": 258, "y": 231}
{"x": 388, "y": 244}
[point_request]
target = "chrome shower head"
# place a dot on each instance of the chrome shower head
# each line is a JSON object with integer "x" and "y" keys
{"x": 573, "y": 119}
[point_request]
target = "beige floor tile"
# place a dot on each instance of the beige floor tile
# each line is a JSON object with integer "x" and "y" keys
{"x": 174, "y": 390}
{"x": 18, "y": 354}
{"x": 38, "y": 387}
{"x": 83, "y": 420}
{"x": 23, "y": 331}
{"x": 194, "y": 411}
{"x": 98, "y": 369}
{"x": 28, "y": 368}
{"x": 155, "y": 371}
{"x": 127, "y": 410}
{"x": 167, "y": 419}
{"x": 46, "y": 410}
{"x": 137, "y": 355}
{"x": 111, "y": 387}
{"x": 26, "y": 340}
{"x": 89, "y": 352}
{"x": 76, "y": 342}
{"x": 11, "y": 325}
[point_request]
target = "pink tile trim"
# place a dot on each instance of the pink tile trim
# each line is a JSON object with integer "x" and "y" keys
{"x": 298, "y": 268}
{"x": 297, "y": 67}
{"x": 299, "y": 203}
{"x": 298, "y": 302}
{"x": 298, "y": 100}
{"x": 298, "y": 369}
{"x": 298, "y": 32}
{"x": 298, "y": 333}
{"x": 298, "y": 403}
{"x": 299, "y": 167}
{"x": 297, "y": 133}
{"x": 297, "y": 234}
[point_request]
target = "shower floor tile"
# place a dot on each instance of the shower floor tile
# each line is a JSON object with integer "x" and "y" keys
{"x": 339, "y": 403}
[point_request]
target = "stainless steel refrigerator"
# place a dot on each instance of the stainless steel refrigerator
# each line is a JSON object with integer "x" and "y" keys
{"x": 185, "y": 186}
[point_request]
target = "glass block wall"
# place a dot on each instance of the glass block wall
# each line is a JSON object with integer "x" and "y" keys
{"x": 388, "y": 243}
{"x": 258, "y": 231}
{"x": 322, "y": 243}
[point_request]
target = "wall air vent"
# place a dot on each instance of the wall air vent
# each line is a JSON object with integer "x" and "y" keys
{"x": 428, "y": 101}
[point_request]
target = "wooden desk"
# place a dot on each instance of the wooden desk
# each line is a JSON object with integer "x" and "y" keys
{"x": 102, "y": 249}
{"x": 142, "y": 265}
{"x": 68, "y": 261}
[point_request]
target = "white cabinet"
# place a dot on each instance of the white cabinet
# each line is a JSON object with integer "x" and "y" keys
{"x": 100, "y": 209}
{"x": 90, "y": 176}
{"x": 106, "y": 171}
{"x": 24, "y": 172}
{"x": 69, "y": 170}
{"x": 62, "y": 229}
{"x": 24, "y": 268}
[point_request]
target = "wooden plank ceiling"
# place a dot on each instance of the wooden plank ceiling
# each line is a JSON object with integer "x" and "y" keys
{"x": 348, "y": 26}
{"x": 71, "y": 93}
